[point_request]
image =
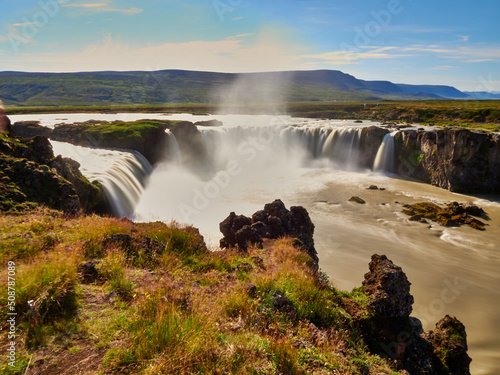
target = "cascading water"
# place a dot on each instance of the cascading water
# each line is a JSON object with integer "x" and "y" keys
{"x": 173, "y": 152}
{"x": 122, "y": 174}
{"x": 384, "y": 161}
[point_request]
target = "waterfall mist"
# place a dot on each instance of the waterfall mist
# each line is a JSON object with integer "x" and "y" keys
{"x": 255, "y": 93}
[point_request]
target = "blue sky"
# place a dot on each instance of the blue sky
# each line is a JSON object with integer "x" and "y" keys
{"x": 405, "y": 41}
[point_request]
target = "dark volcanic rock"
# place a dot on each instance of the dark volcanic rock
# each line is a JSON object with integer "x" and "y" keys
{"x": 230, "y": 226}
{"x": 459, "y": 160}
{"x": 88, "y": 271}
{"x": 91, "y": 194}
{"x": 388, "y": 288}
{"x": 26, "y": 180}
{"x": 450, "y": 333}
{"x": 273, "y": 222}
{"x": 453, "y": 215}
{"x": 248, "y": 235}
{"x": 392, "y": 333}
{"x": 282, "y": 304}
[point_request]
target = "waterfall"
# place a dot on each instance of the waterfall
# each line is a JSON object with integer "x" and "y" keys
{"x": 173, "y": 152}
{"x": 384, "y": 161}
{"x": 238, "y": 154}
{"x": 340, "y": 145}
{"x": 123, "y": 174}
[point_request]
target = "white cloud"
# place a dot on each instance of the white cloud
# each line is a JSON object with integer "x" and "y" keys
{"x": 88, "y": 5}
{"x": 100, "y": 7}
{"x": 267, "y": 53}
{"x": 442, "y": 67}
{"x": 345, "y": 57}
{"x": 129, "y": 12}
{"x": 468, "y": 54}
{"x": 23, "y": 24}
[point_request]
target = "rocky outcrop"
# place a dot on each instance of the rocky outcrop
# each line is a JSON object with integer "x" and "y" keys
{"x": 388, "y": 288}
{"x": 459, "y": 160}
{"x": 30, "y": 129}
{"x": 30, "y": 175}
{"x": 392, "y": 333}
{"x": 91, "y": 194}
{"x": 453, "y": 215}
{"x": 273, "y": 222}
{"x": 450, "y": 346}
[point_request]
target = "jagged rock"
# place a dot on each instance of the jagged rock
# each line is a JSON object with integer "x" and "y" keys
{"x": 388, "y": 288}
{"x": 273, "y": 222}
{"x": 372, "y": 187}
{"x": 282, "y": 304}
{"x": 248, "y": 235}
{"x": 450, "y": 342}
{"x": 88, "y": 271}
{"x": 230, "y": 226}
{"x": 472, "y": 209}
{"x": 392, "y": 333}
{"x": 260, "y": 216}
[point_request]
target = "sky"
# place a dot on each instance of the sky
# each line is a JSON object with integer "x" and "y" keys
{"x": 445, "y": 42}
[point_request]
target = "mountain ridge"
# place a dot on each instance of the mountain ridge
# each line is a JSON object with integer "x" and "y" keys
{"x": 185, "y": 86}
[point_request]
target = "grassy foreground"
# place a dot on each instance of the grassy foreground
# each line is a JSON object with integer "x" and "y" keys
{"x": 161, "y": 303}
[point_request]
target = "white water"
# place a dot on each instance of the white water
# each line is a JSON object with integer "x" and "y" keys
{"x": 253, "y": 160}
{"x": 123, "y": 174}
{"x": 384, "y": 160}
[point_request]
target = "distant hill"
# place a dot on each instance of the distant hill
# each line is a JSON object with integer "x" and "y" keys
{"x": 180, "y": 86}
{"x": 447, "y": 92}
{"x": 481, "y": 95}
